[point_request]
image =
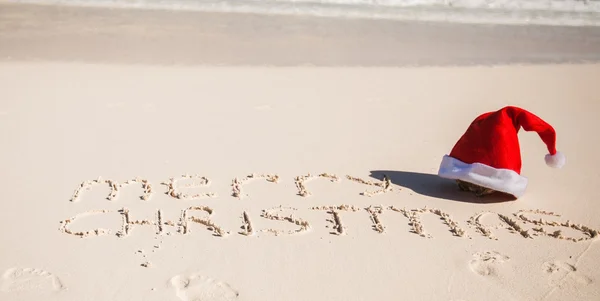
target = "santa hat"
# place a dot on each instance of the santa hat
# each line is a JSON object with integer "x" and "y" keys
{"x": 488, "y": 153}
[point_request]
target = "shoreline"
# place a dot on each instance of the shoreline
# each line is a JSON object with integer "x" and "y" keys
{"x": 100, "y": 35}
{"x": 552, "y": 13}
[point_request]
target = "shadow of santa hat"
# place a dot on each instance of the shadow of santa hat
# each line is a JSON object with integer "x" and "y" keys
{"x": 488, "y": 153}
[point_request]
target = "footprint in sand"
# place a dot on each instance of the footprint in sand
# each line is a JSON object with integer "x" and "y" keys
{"x": 484, "y": 263}
{"x": 558, "y": 271}
{"x": 28, "y": 279}
{"x": 196, "y": 287}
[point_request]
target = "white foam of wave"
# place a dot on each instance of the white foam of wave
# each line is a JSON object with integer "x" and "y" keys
{"x": 539, "y": 12}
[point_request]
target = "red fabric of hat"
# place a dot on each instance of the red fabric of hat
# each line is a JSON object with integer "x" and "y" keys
{"x": 488, "y": 154}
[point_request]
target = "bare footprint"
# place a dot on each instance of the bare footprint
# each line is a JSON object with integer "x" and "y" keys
{"x": 196, "y": 287}
{"x": 559, "y": 271}
{"x": 484, "y": 263}
{"x": 28, "y": 279}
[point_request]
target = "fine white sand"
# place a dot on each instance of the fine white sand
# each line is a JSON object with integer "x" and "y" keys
{"x": 65, "y": 123}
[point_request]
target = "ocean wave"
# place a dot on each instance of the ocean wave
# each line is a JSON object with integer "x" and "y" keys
{"x": 538, "y": 12}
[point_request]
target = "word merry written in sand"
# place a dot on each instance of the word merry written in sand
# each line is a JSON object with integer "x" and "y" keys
{"x": 174, "y": 189}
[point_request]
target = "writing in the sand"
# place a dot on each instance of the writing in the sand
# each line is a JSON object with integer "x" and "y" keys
{"x": 201, "y": 215}
{"x": 173, "y": 188}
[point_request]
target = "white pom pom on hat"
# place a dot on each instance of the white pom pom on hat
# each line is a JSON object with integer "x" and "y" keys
{"x": 557, "y": 160}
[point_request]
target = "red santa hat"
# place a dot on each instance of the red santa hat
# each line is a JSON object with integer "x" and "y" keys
{"x": 488, "y": 153}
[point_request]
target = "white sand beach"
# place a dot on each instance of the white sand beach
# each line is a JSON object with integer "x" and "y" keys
{"x": 267, "y": 152}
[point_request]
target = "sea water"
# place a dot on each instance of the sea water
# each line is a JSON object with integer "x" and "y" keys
{"x": 541, "y": 12}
